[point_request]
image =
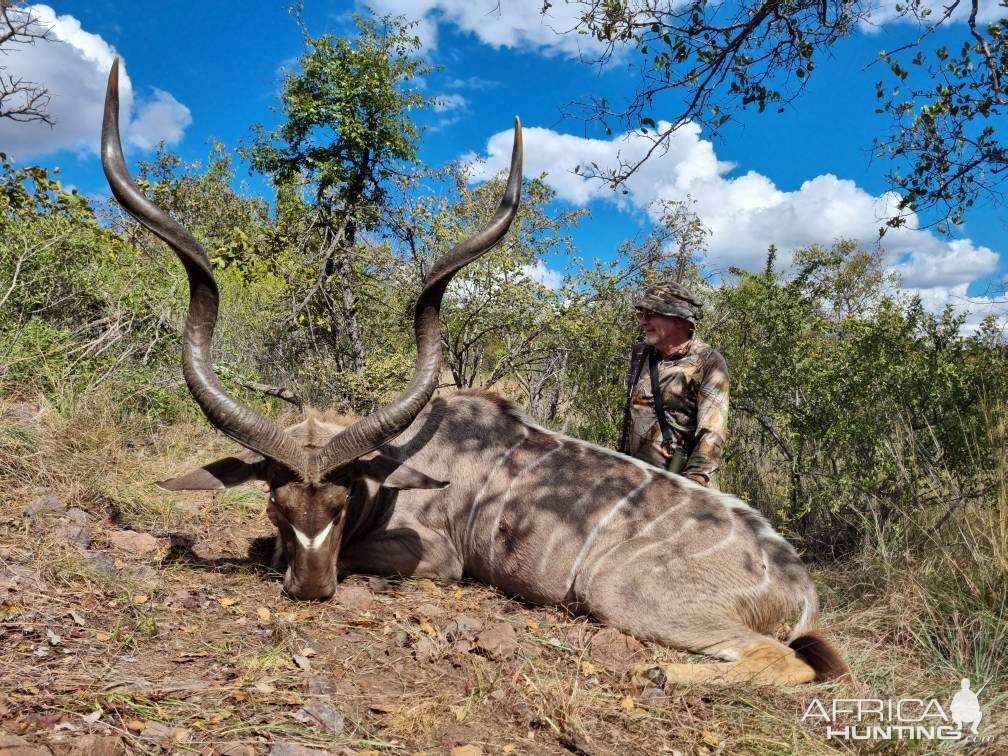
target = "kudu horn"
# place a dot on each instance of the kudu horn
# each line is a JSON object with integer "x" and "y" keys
{"x": 243, "y": 424}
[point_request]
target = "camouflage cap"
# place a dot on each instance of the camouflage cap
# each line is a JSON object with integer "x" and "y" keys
{"x": 670, "y": 298}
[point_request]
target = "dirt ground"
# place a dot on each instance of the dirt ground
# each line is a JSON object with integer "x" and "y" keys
{"x": 137, "y": 621}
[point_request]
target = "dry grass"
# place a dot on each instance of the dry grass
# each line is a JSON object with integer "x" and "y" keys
{"x": 195, "y": 638}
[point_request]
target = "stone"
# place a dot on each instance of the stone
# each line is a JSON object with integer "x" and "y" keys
{"x": 96, "y": 745}
{"x": 130, "y": 540}
{"x": 47, "y": 504}
{"x": 12, "y": 745}
{"x": 498, "y": 641}
{"x": 323, "y": 714}
{"x": 614, "y": 650}
{"x": 355, "y": 597}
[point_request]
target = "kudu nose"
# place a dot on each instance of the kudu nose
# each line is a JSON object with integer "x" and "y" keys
{"x": 309, "y": 591}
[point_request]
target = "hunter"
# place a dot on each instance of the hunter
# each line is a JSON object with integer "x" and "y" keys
{"x": 680, "y": 427}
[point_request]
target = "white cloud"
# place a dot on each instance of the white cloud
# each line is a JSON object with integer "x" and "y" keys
{"x": 498, "y": 23}
{"x": 746, "y": 213}
{"x": 888, "y": 11}
{"x": 447, "y": 102}
{"x": 551, "y": 279}
{"x": 521, "y": 24}
{"x": 74, "y": 66}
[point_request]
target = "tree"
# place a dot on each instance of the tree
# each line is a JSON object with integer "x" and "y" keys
{"x": 498, "y": 320}
{"x": 347, "y": 134}
{"x": 21, "y": 100}
{"x": 721, "y": 58}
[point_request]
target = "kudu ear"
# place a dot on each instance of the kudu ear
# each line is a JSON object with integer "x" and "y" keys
{"x": 224, "y": 473}
{"x": 392, "y": 473}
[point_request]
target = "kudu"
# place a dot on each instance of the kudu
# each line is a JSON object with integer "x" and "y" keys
{"x": 537, "y": 514}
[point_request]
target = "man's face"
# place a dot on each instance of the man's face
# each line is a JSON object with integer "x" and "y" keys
{"x": 663, "y": 330}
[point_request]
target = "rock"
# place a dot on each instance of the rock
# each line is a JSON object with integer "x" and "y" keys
{"x": 462, "y": 628}
{"x": 130, "y": 540}
{"x": 47, "y": 504}
{"x": 498, "y": 641}
{"x": 614, "y": 650}
{"x": 12, "y": 745}
{"x": 77, "y": 515}
{"x": 72, "y": 533}
{"x": 355, "y": 597}
{"x": 293, "y": 749}
{"x": 234, "y": 748}
{"x": 431, "y": 611}
{"x": 424, "y": 648}
{"x": 95, "y": 745}
{"x": 652, "y": 695}
{"x": 323, "y": 714}
{"x": 101, "y": 562}
{"x": 320, "y": 686}
{"x": 164, "y": 735}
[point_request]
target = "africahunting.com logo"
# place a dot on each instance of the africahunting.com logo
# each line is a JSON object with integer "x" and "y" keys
{"x": 901, "y": 718}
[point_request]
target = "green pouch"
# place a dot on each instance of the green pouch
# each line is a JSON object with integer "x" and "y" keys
{"x": 676, "y": 462}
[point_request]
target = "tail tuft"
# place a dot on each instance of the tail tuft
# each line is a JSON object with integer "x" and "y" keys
{"x": 820, "y": 654}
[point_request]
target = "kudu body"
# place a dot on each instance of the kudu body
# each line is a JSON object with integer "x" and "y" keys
{"x": 467, "y": 486}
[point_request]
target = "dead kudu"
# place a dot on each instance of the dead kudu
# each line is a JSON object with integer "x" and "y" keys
{"x": 467, "y": 486}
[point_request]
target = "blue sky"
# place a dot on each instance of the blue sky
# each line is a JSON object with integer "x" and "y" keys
{"x": 210, "y": 70}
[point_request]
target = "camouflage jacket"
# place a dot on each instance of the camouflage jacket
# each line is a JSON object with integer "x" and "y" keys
{"x": 694, "y": 386}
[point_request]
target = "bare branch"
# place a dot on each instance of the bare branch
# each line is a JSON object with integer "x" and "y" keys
{"x": 21, "y": 100}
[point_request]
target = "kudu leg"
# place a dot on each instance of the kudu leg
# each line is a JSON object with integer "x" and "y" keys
{"x": 414, "y": 551}
{"x": 762, "y": 661}
{"x": 662, "y": 595}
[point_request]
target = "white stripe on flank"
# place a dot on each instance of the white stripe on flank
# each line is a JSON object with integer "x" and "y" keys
{"x": 559, "y": 532}
{"x": 590, "y": 540}
{"x": 315, "y": 541}
{"x": 720, "y": 544}
{"x": 506, "y": 495}
{"x": 766, "y": 530}
{"x": 470, "y": 525}
{"x": 807, "y": 616}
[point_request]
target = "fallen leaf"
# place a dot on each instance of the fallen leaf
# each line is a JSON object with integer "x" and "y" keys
{"x": 78, "y": 620}
{"x": 466, "y": 750}
{"x": 136, "y": 725}
{"x": 54, "y": 640}
{"x": 302, "y": 662}
{"x": 627, "y": 704}
{"x": 308, "y": 652}
{"x": 385, "y": 708}
{"x": 264, "y": 687}
{"x": 264, "y": 614}
{"x": 428, "y": 628}
{"x": 711, "y": 738}
{"x": 94, "y": 716}
{"x": 227, "y": 601}
{"x": 532, "y": 625}
{"x": 508, "y": 747}
{"x": 588, "y": 668}
{"x": 141, "y": 598}
{"x": 102, "y": 637}
{"x": 429, "y": 585}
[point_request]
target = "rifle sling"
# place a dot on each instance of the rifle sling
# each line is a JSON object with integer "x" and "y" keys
{"x": 675, "y": 457}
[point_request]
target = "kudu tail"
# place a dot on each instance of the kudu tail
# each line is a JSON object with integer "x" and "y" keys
{"x": 821, "y": 655}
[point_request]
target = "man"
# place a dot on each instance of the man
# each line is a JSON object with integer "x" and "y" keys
{"x": 693, "y": 382}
